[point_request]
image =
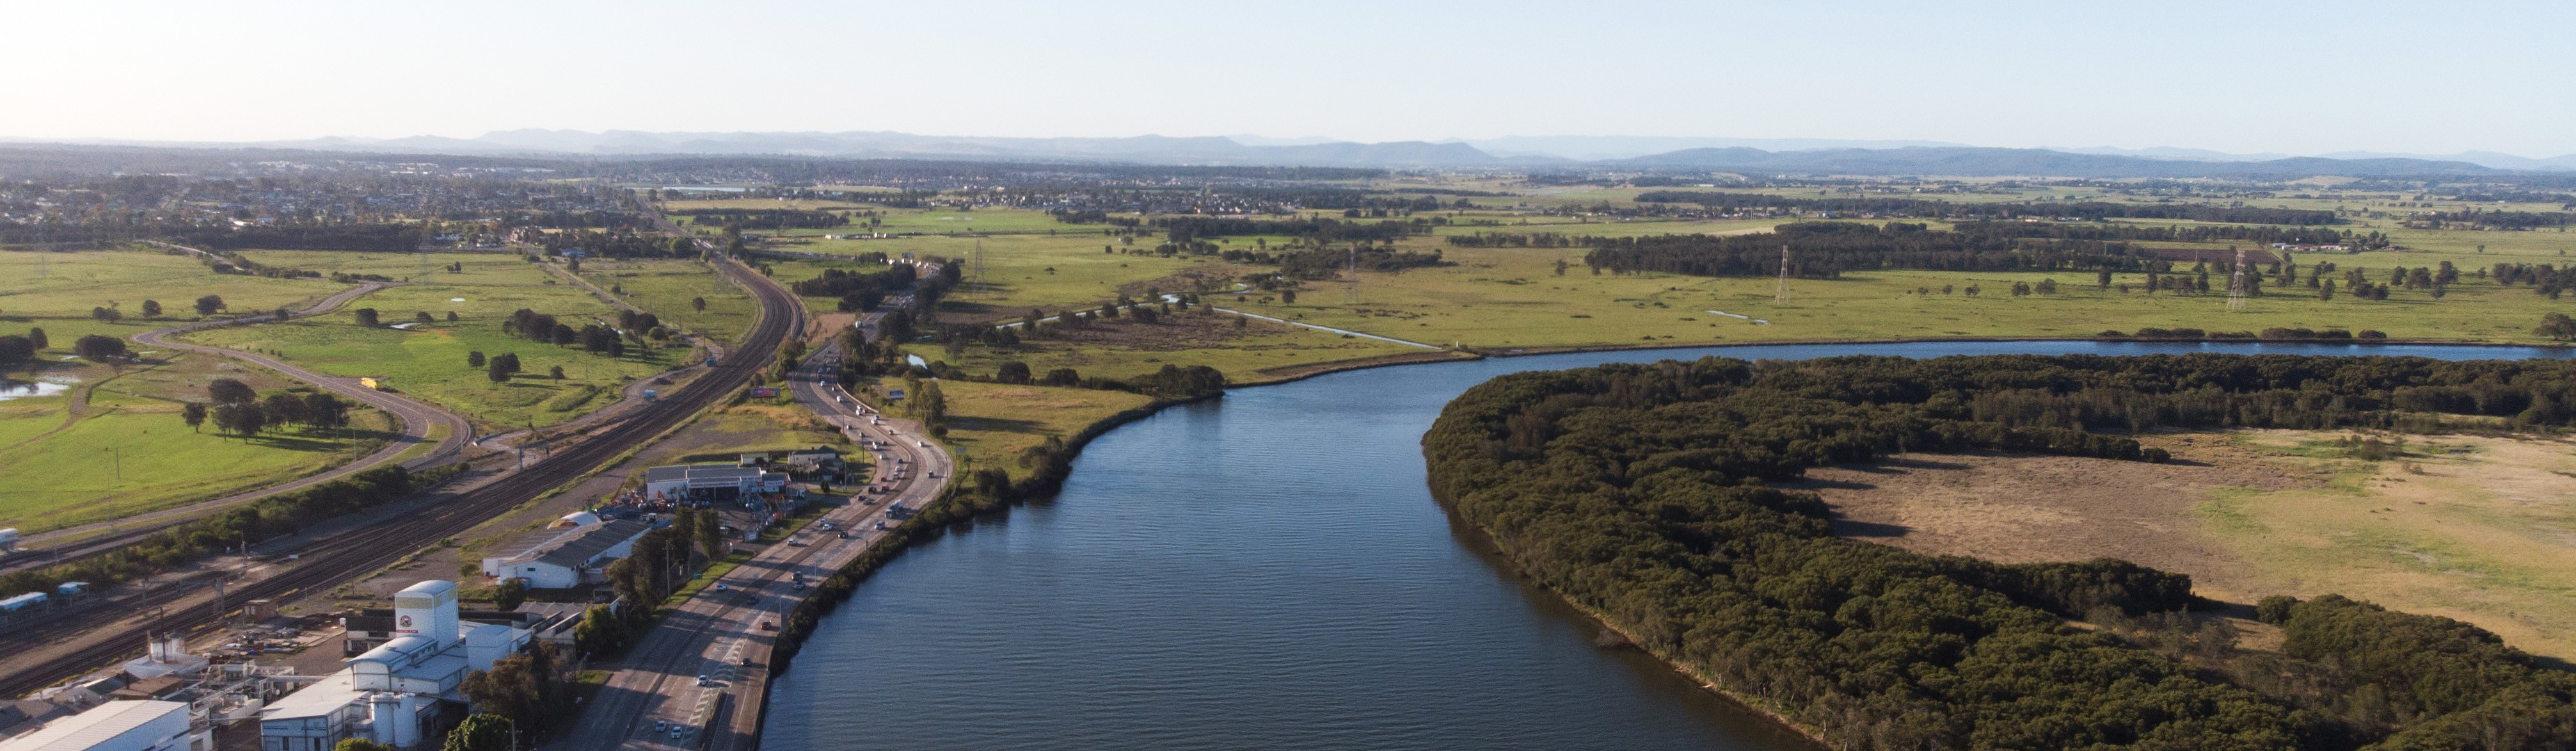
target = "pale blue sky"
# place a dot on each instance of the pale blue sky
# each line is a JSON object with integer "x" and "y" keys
{"x": 2240, "y": 76}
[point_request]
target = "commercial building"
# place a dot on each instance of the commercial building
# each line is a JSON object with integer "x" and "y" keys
{"x": 401, "y": 692}
{"x": 120, "y": 726}
{"x": 710, "y": 482}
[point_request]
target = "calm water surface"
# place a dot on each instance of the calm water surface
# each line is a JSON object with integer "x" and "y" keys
{"x": 1270, "y": 571}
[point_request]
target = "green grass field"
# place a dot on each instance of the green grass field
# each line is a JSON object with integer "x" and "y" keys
{"x": 989, "y": 424}
{"x": 429, "y": 361}
{"x": 665, "y": 288}
{"x": 128, "y": 452}
{"x": 2470, "y": 527}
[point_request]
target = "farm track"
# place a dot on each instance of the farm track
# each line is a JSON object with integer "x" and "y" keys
{"x": 361, "y": 551}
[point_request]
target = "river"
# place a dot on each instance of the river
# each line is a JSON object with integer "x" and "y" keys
{"x": 1269, "y": 570}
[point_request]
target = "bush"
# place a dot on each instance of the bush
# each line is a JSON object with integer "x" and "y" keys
{"x": 2275, "y": 609}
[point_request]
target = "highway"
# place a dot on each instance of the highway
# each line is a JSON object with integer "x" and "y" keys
{"x": 728, "y": 635}
{"x": 417, "y": 420}
{"x": 33, "y": 661}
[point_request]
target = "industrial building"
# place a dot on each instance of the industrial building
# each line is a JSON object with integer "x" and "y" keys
{"x": 121, "y": 726}
{"x": 564, "y": 557}
{"x": 399, "y": 693}
{"x": 709, "y": 482}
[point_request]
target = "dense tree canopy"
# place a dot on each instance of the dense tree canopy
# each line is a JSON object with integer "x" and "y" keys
{"x": 1640, "y": 492}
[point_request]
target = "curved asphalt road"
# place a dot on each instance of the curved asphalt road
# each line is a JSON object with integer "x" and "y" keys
{"x": 416, "y": 421}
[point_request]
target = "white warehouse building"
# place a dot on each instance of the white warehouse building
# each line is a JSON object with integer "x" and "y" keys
{"x": 392, "y": 693}
{"x": 120, "y": 726}
{"x": 566, "y": 557}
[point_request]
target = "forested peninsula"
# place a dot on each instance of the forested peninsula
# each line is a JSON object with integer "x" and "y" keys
{"x": 1641, "y": 493}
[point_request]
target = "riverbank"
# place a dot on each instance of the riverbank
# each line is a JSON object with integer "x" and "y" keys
{"x": 1150, "y": 473}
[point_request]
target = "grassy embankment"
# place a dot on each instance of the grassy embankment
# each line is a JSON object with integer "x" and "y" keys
{"x": 429, "y": 361}
{"x": 112, "y": 443}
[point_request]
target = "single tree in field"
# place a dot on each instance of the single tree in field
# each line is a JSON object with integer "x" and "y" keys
{"x": 194, "y": 413}
{"x": 37, "y": 335}
{"x": 16, "y": 351}
{"x": 207, "y": 305}
{"x": 1012, "y": 371}
{"x": 151, "y": 308}
{"x": 2557, "y": 326}
{"x": 556, "y": 372}
{"x": 474, "y": 359}
{"x": 366, "y": 316}
{"x": 698, "y": 303}
{"x": 99, "y": 348}
{"x": 1288, "y": 296}
{"x": 422, "y": 317}
{"x": 497, "y": 373}
{"x": 229, "y": 391}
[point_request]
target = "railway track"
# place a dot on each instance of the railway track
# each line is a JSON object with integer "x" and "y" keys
{"x": 357, "y": 552}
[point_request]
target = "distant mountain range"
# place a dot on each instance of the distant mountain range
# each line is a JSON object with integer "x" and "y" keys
{"x": 1758, "y": 156}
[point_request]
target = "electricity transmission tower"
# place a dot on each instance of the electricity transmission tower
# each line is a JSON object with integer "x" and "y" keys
{"x": 1782, "y": 297}
{"x": 1351, "y": 293}
{"x": 2236, "y": 284}
{"x": 979, "y": 264}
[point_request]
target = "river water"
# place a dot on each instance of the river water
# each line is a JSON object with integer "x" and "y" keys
{"x": 1269, "y": 571}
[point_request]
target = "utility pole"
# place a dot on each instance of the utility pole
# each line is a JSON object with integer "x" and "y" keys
{"x": 1782, "y": 297}
{"x": 1351, "y": 293}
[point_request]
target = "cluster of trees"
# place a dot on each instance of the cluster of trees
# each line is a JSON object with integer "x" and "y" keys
{"x": 1827, "y": 249}
{"x": 284, "y": 513}
{"x": 662, "y": 561}
{"x": 1327, "y": 263}
{"x": 1182, "y": 230}
{"x": 859, "y": 291}
{"x": 2412, "y": 681}
{"x": 240, "y": 411}
{"x": 384, "y": 237}
{"x": 1935, "y": 209}
{"x": 591, "y": 337}
{"x": 2480, "y": 218}
{"x": 765, "y": 218}
{"x": 530, "y": 692}
{"x": 2557, "y": 326}
{"x": 1640, "y": 492}
{"x": 2260, "y": 235}
{"x": 2542, "y": 279}
{"x": 497, "y": 368}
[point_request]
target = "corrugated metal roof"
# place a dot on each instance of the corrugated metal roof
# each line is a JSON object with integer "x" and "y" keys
{"x": 98, "y": 725}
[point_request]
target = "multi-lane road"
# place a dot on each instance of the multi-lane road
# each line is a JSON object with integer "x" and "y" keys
{"x": 702, "y": 673}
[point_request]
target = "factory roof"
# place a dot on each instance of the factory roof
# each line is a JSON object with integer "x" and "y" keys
{"x": 699, "y": 472}
{"x": 588, "y": 543}
{"x": 324, "y": 697}
{"x": 99, "y": 725}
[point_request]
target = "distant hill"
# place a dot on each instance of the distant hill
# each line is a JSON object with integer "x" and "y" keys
{"x": 1577, "y": 153}
{"x": 1973, "y": 161}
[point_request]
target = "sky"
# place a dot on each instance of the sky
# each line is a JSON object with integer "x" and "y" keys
{"x": 2289, "y": 77}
